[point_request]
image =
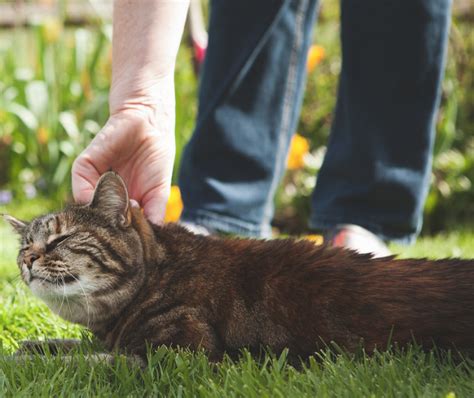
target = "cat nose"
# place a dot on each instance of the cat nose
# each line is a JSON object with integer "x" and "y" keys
{"x": 30, "y": 258}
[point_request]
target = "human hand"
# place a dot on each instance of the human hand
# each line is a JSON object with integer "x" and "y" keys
{"x": 138, "y": 139}
{"x": 140, "y": 150}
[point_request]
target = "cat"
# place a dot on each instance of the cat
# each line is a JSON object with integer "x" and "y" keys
{"x": 134, "y": 284}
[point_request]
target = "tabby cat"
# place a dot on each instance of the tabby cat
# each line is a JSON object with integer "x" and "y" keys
{"x": 133, "y": 284}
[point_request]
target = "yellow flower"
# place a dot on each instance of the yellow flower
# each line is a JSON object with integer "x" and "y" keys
{"x": 451, "y": 395}
{"x": 51, "y": 30}
{"x": 315, "y": 56}
{"x": 174, "y": 206}
{"x": 106, "y": 65}
{"x": 42, "y": 135}
{"x": 298, "y": 148}
{"x": 317, "y": 239}
{"x": 86, "y": 84}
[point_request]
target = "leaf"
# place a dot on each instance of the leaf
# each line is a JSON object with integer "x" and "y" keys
{"x": 61, "y": 172}
{"x": 24, "y": 114}
{"x": 24, "y": 74}
{"x": 91, "y": 126}
{"x": 10, "y": 94}
{"x": 68, "y": 120}
{"x": 82, "y": 37}
{"x": 36, "y": 93}
{"x": 107, "y": 31}
{"x": 67, "y": 148}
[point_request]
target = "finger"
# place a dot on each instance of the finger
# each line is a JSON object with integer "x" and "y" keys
{"x": 84, "y": 179}
{"x": 134, "y": 204}
{"x": 155, "y": 212}
{"x": 154, "y": 205}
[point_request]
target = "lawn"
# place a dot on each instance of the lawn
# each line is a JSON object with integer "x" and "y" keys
{"x": 172, "y": 373}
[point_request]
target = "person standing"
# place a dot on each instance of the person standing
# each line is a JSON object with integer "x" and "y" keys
{"x": 376, "y": 171}
{"x": 375, "y": 175}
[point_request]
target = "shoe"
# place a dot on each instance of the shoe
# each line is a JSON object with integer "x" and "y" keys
{"x": 356, "y": 238}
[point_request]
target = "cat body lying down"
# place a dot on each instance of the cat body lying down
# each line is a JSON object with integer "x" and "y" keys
{"x": 135, "y": 284}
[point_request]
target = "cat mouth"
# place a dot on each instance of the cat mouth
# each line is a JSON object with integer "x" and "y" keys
{"x": 63, "y": 280}
{"x": 40, "y": 279}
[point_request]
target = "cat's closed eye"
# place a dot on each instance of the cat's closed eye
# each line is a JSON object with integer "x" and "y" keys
{"x": 56, "y": 242}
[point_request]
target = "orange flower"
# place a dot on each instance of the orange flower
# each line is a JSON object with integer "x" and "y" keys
{"x": 317, "y": 239}
{"x": 174, "y": 206}
{"x": 42, "y": 135}
{"x": 315, "y": 56}
{"x": 298, "y": 149}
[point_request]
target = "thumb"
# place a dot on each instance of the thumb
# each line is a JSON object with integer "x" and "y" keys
{"x": 84, "y": 180}
{"x": 154, "y": 205}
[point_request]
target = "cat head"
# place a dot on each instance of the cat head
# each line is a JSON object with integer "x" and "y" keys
{"x": 84, "y": 261}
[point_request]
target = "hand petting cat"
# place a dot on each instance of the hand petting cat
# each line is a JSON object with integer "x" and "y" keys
{"x": 142, "y": 153}
{"x": 138, "y": 139}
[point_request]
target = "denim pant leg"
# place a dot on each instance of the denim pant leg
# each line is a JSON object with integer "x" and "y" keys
{"x": 250, "y": 94}
{"x": 377, "y": 168}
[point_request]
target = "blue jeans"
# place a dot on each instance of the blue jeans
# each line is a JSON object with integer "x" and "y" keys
{"x": 377, "y": 167}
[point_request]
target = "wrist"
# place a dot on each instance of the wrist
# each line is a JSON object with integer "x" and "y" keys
{"x": 144, "y": 48}
{"x": 144, "y": 88}
{"x": 153, "y": 101}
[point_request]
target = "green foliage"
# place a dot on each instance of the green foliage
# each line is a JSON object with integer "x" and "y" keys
{"x": 54, "y": 98}
{"x": 451, "y": 198}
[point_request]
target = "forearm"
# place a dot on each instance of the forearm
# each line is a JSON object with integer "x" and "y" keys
{"x": 146, "y": 37}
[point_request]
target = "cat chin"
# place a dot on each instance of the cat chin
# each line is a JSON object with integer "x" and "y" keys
{"x": 47, "y": 290}
{"x": 59, "y": 291}
{"x": 71, "y": 307}
{"x": 43, "y": 289}
{"x": 69, "y": 301}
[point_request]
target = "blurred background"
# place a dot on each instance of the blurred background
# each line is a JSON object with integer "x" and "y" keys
{"x": 55, "y": 69}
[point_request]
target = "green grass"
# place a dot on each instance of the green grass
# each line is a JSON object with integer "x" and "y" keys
{"x": 181, "y": 373}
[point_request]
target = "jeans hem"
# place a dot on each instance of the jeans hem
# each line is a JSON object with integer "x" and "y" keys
{"x": 224, "y": 223}
{"x": 327, "y": 222}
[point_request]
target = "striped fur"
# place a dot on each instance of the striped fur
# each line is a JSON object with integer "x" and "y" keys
{"x": 132, "y": 283}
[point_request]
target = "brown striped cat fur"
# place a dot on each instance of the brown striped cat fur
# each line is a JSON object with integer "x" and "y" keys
{"x": 132, "y": 283}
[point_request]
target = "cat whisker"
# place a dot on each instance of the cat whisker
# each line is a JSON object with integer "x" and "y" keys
{"x": 42, "y": 278}
{"x": 67, "y": 299}
{"x": 16, "y": 279}
{"x": 64, "y": 294}
{"x": 88, "y": 308}
{"x": 18, "y": 283}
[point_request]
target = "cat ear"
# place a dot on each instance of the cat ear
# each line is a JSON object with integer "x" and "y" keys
{"x": 111, "y": 199}
{"x": 18, "y": 225}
